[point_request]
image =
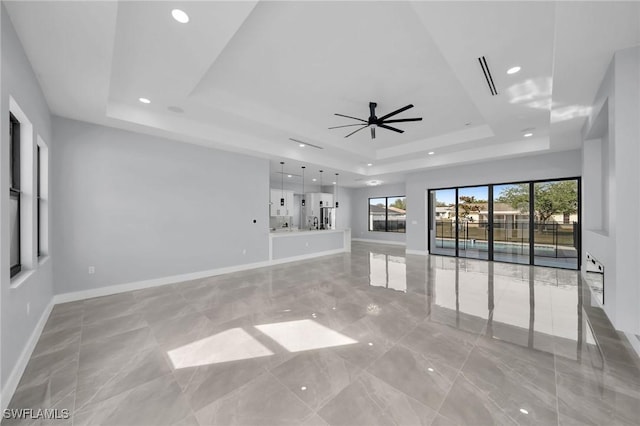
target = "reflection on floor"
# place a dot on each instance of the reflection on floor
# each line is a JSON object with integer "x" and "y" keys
{"x": 369, "y": 337}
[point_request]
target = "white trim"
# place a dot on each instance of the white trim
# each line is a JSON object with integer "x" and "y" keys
{"x": 307, "y": 256}
{"x": 365, "y": 240}
{"x": 155, "y": 282}
{"x": 634, "y": 341}
{"x": 16, "y": 374}
{"x": 20, "y": 278}
{"x": 418, "y": 252}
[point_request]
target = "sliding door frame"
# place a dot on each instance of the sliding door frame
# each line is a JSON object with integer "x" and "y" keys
{"x": 490, "y": 240}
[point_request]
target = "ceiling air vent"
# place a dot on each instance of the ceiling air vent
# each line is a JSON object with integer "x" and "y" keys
{"x": 487, "y": 75}
{"x": 305, "y": 143}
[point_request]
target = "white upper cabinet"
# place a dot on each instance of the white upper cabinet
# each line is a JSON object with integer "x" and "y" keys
{"x": 276, "y": 208}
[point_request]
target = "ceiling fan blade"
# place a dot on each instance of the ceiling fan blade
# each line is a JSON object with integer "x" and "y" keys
{"x": 364, "y": 126}
{"x": 373, "y": 132}
{"x": 398, "y": 111}
{"x": 402, "y": 120}
{"x": 348, "y": 116}
{"x": 346, "y": 125}
{"x": 390, "y": 128}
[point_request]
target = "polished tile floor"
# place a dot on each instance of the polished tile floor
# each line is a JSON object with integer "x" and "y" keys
{"x": 365, "y": 338}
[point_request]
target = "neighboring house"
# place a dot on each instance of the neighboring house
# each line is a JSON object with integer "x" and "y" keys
{"x": 446, "y": 212}
{"x": 378, "y": 215}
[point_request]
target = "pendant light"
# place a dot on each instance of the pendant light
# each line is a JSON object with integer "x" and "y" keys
{"x": 320, "y": 187}
{"x": 336, "y": 190}
{"x": 303, "y": 201}
{"x": 282, "y": 183}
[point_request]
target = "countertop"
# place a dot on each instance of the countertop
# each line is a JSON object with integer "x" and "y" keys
{"x": 290, "y": 232}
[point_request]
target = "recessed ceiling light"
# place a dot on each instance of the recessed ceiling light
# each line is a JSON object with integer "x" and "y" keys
{"x": 513, "y": 70}
{"x": 369, "y": 164}
{"x": 180, "y": 16}
{"x": 523, "y": 411}
{"x": 528, "y": 135}
{"x": 314, "y": 179}
{"x": 334, "y": 183}
{"x": 430, "y": 153}
{"x": 288, "y": 175}
{"x": 144, "y": 100}
{"x": 301, "y": 145}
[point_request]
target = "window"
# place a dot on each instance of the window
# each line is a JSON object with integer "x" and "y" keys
{"x": 38, "y": 198}
{"x": 42, "y": 198}
{"x": 14, "y": 194}
{"x": 388, "y": 214}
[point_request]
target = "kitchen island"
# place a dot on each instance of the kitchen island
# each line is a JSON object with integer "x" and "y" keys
{"x": 291, "y": 245}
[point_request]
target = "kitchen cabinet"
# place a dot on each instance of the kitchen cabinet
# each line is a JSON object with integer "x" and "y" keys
{"x": 313, "y": 202}
{"x": 278, "y": 210}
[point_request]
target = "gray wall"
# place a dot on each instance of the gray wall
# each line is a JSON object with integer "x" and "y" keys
{"x": 610, "y": 187}
{"x": 360, "y": 212}
{"x": 139, "y": 207}
{"x": 313, "y": 242}
{"x": 19, "y": 81}
{"x": 545, "y": 166}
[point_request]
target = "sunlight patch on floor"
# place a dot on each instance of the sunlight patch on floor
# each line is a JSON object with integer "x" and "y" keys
{"x": 230, "y": 345}
{"x": 304, "y": 335}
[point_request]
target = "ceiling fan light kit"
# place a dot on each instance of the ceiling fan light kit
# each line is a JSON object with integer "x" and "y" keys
{"x": 374, "y": 122}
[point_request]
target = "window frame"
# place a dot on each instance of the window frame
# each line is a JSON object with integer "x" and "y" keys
{"x": 38, "y": 200}
{"x": 386, "y": 215}
{"x": 14, "y": 184}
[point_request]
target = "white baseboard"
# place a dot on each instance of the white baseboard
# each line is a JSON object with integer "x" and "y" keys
{"x": 394, "y": 243}
{"x": 155, "y": 282}
{"x": 418, "y": 252}
{"x": 16, "y": 374}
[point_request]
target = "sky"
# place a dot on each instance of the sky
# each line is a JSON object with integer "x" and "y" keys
{"x": 480, "y": 192}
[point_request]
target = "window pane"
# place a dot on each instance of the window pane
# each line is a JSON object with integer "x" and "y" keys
{"x": 511, "y": 223}
{"x": 14, "y": 230}
{"x": 397, "y": 214}
{"x": 377, "y": 214}
{"x": 556, "y": 224}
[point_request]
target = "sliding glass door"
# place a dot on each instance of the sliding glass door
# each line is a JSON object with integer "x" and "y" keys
{"x": 443, "y": 222}
{"x": 511, "y": 223}
{"x": 473, "y": 222}
{"x": 555, "y": 233}
{"x": 532, "y": 223}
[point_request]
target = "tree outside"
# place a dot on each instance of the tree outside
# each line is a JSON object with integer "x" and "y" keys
{"x": 400, "y": 203}
{"x": 550, "y": 198}
{"x": 469, "y": 204}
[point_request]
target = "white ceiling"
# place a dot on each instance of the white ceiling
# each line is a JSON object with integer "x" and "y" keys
{"x": 250, "y": 75}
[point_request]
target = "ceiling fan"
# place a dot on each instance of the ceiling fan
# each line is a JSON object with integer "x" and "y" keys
{"x": 374, "y": 121}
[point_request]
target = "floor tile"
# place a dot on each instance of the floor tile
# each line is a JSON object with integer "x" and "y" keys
{"x": 467, "y": 405}
{"x": 158, "y": 402}
{"x": 264, "y": 401}
{"x": 316, "y": 376}
{"x": 370, "y": 401}
{"x": 424, "y": 379}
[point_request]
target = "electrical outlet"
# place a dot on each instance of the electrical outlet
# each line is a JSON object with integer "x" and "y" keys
{"x": 306, "y": 244}
{"x": 244, "y": 251}
{"x": 92, "y": 270}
